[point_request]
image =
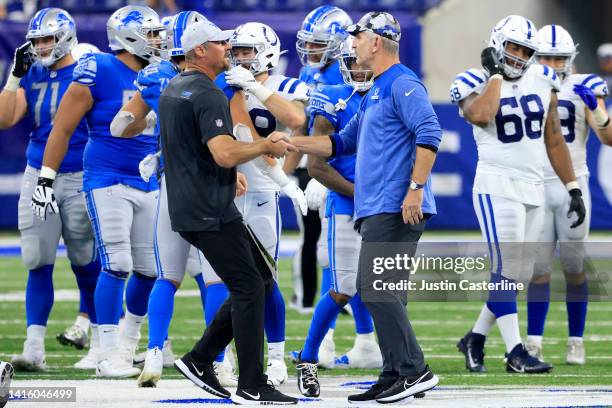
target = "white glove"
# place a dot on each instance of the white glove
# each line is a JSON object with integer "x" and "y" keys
{"x": 243, "y": 78}
{"x": 43, "y": 197}
{"x": 148, "y": 166}
{"x": 315, "y": 194}
{"x": 297, "y": 196}
{"x": 151, "y": 119}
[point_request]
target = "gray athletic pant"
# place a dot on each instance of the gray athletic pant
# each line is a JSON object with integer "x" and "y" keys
{"x": 402, "y": 355}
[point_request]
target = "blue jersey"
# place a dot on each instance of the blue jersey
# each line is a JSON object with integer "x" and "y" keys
{"x": 323, "y": 103}
{"x": 329, "y": 75}
{"x": 111, "y": 160}
{"x": 44, "y": 90}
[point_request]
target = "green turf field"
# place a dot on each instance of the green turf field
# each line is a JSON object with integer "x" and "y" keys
{"x": 438, "y": 327}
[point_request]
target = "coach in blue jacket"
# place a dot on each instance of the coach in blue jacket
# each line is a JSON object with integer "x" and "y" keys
{"x": 395, "y": 135}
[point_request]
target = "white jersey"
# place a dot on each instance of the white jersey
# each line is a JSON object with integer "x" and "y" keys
{"x": 574, "y": 125}
{"x": 291, "y": 89}
{"x": 511, "y": 150}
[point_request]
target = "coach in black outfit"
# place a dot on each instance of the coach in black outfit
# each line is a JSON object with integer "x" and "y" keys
{"x": 201, "y": 154}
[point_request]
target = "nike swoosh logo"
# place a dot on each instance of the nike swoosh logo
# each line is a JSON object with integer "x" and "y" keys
{"x": 200, "y": 373}
{"x": 408, "y": 385}
{"x": 260, "y": 204}
{"x": 255, "y": 397}
{"x": 408, "y": 93}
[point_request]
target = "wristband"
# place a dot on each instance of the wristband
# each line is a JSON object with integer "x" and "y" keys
{"x": 572, "y": 185}
{"x": 277, "y": 175}
{"x": 601, "y": 117}
{"x": 12, "y": 83}
{"x": 47, "y": 172}
{"x": 260, "y": 92}
{"x": 496, "y": 76}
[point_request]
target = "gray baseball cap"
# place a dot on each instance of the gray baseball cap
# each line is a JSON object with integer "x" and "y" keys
{"x": 202, "y": 32}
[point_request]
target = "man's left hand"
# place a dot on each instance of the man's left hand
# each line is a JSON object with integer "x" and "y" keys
{"x": 577, "y": 206}
{"x": 587, "y": 95}
{"x": 411, "y": 207}
{"x": 241, "y": 78}
{"x": 241, "y": 184}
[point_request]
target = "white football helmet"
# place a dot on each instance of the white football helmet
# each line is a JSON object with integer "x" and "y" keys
{"x": 360, "y": 79}
{"x": 264, "y": 42}
{"x": 326, "y": 26}
{"x": 175, "y": 26}
{"x": 52, "y": 22}
{"x": 517, "y": 30}
{"x": 555, "y": 41}
{"x": 137, "y": 30}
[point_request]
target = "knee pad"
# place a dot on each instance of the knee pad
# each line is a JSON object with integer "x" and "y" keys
{"x": 80, "y": 252}
{"x": 34, "y": 255}
{"x": 121, "y": 262}
{"x": 340, "y": 298}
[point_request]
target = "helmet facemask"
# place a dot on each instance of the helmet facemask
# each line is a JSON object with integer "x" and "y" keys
{"x": 566, "y": 70}
{"x": 327, "y": 50}
{"x": 156, "y": 47}
{"x": 50, "y": 54}
{"x": 252, "y": 64}
{"x": 359, "y": 78}
{"x": 515, "y": 66}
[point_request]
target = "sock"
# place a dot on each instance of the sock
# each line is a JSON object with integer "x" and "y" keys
{"x": 576, "y": 302}
{"x": 36, "y": 333}
{"x": 501, "y": 302}
{"x": 363, "y": 319}
{"x": 538, "y": 300}
{"x": 326, "y": 284}
{"x": 95, "y": 337}
{"x": 274, "y": 316}
{"x": 215, "y": 296}
{"x": 509, "y": 329}
{"x": 83, "y": 322}
{"x": 137, "y": 293}
{"x": 82, "y": 305}
{"x": 87, "y": 278}
{"x": 161, "y": 307}
{"x": 109, "y": 338}
{"x": 131, "y": 327}
{"x": 485, "y": 321}
{"x": 109, "y": 299}
{"x": 39, "y": 295}
{"x": 325, "y": 312}
{"x": 202, "y": 286}
{"x": 276, "y": 351}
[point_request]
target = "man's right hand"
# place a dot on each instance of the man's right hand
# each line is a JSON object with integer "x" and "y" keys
{"x": 44, "y": 198}
{"x": 490, "y": 61}
{"x": 22, "y": 60}
{"x": 278, "y": 144}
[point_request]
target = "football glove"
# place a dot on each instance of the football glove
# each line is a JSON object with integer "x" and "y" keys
{"x": 490, "y": 61}
{"x": 148, "y": 166}
{"x": 297, "y": 196}
{"x": 315, "y": 194}
{"x": 243, "y": 78}
{"x": 587, "y": 95}
{"x": 577, "y": 206}
{"x": 22, "y": 60}
{"x": 43, "y": 198}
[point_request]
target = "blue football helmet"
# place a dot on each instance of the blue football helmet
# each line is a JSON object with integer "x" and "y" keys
{"x": 137, "y": 30}
{"x": 52, "y": 22}
{"x": 175, "y": 26}
{"x": 324, "y": 26}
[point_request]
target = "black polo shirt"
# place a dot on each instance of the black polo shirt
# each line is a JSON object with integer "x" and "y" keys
{"x": 193, "y": 110}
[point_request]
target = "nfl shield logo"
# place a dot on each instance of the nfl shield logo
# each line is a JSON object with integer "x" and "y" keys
{"x": 219, "y": 122}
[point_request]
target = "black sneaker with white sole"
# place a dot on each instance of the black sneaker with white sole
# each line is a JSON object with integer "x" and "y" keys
{"x": 6, "y": 375}
{"x": 307, "y": 379}
{"x": 202, "y": 375}
{"x": 408, "y": 387}
{"x": 372, "y": 393}
{"x": 520, "y": 361}
{"x": 264, "y": 395}
{"x": 472, "y": 347}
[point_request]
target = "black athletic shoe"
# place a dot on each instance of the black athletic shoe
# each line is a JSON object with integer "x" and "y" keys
{"x": 371, "y": 394}
{"x": 407, "y": 387}
{"x": 520, "y": 361}
{"x": 6, "y": 375}
{"x": 308, "y": 382}
{"x": 202, "y": 375}
{"x": 264, "y": 395}
{"x": 472, "y": 347}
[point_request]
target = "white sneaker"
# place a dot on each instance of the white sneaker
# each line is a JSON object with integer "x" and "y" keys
{"x": 364, "y": 354}
{"x": 225, "y": 374}
{"x": 575, "y": 351}
{"x": 116, "y": 367}
{"x": 74, "y": 336}
{"x": 534, "y": 347}
{"x": 277, "y": 372}
{"x": 327, "y": 352}
{"x": 153, "y": 366}
{"x": 32, "y": 358}
{"x": 90, "y": 360}
{"x": 139, "y": 359}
